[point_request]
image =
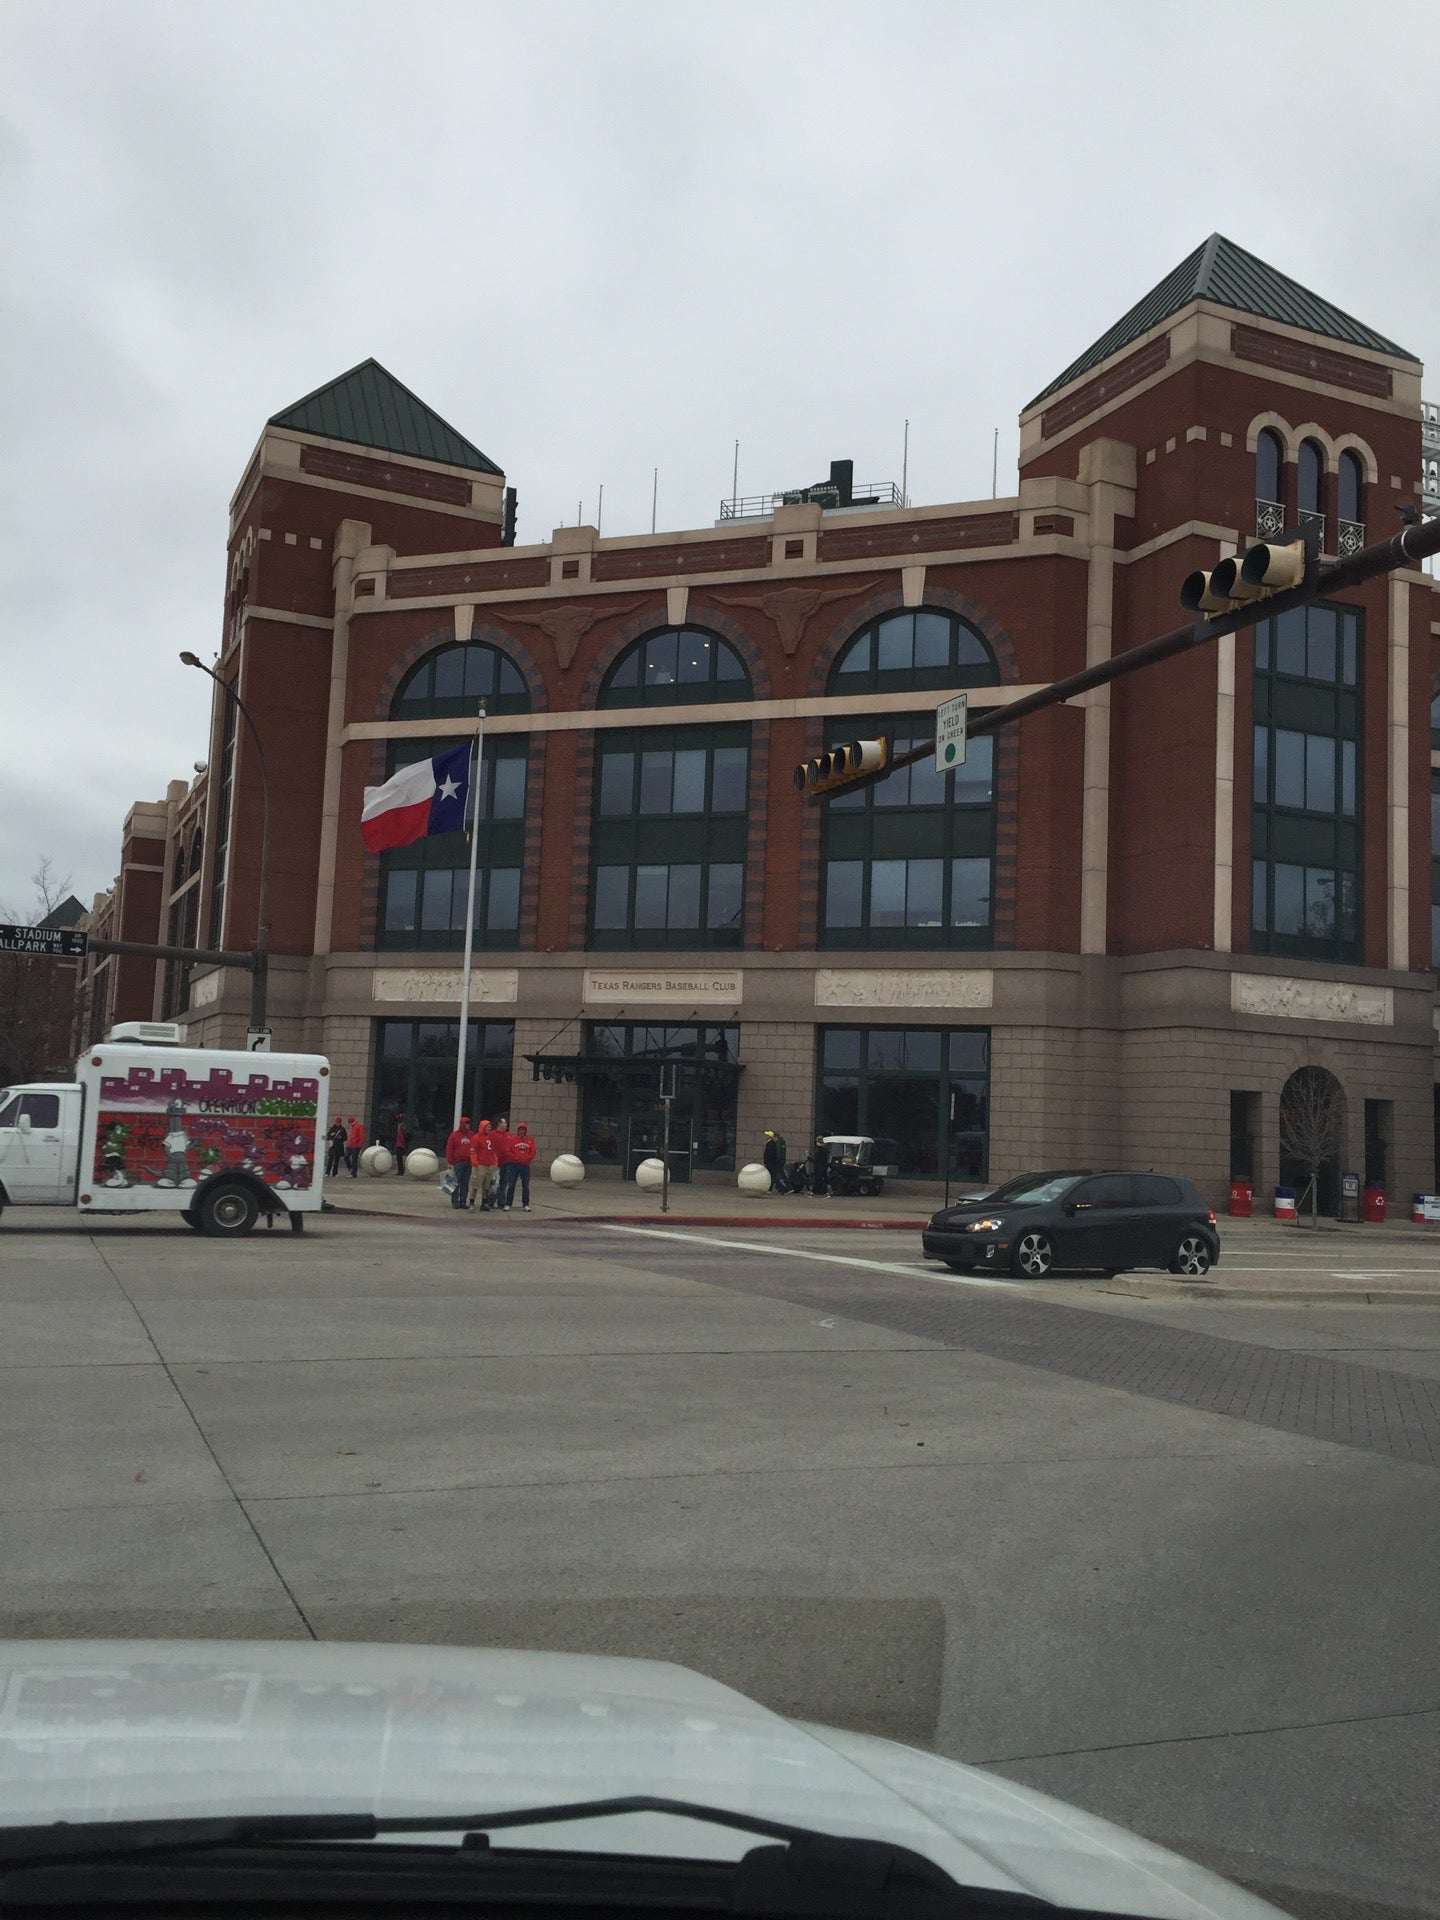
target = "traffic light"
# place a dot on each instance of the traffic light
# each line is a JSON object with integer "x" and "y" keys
{"x": 857, "y": 762}
{"x": 1271, "y": 567}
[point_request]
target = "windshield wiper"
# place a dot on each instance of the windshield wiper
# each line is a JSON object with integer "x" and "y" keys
{"x": 811, "y": 1874}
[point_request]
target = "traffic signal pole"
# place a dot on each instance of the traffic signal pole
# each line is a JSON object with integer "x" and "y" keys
{"x": 1414, "y": 542}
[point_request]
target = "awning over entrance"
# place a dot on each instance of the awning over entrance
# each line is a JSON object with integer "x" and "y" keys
{"x": 645, "y": 1069}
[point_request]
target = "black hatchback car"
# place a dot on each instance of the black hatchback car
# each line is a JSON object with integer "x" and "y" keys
{"x": 1041, "y": 1223}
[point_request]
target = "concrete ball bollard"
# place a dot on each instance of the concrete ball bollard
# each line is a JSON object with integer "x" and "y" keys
{"x": 650, "y": 1174}
{"x": 376, "y": 1160}
{"x": 567, "y": 1170}
{"x": 421, "y": 1163}
{"x": 753, "y": 1178}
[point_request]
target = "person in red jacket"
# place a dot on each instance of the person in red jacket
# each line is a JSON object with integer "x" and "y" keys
{"x": 517, "y": 1166}
{"x": 457, "y": 1159}
{"x": 354, "y": 1141}
{"x": 485, "y": 1161}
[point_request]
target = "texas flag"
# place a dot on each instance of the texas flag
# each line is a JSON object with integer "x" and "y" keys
{"x": 415, "y": 801}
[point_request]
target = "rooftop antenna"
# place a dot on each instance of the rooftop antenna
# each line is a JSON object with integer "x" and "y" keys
{"x": 905, "y": 469}
{"x": 600, "y": 509}
{"x": 735, "y": 483}
{"x": 995, "y": 467}
{"x": 654, "y": 498}
{"x": 579, "y": 513}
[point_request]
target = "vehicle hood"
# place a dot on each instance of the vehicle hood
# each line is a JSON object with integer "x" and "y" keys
{"x": 128, "y": 1729}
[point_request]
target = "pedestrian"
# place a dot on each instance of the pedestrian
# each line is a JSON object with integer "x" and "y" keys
{"x": 486, "y": 1165}
{"x": 334, "y": 1148}
{"x": 774, "y": 1158}
{"x": 354, "y": 1144}
{"x": 820, "y": 1167}
{"x": 457, "y": 1160}
{"x": 517, "y": 1167}
{"x": 781, "y": 1149}
{"x": 401, "y": 1143}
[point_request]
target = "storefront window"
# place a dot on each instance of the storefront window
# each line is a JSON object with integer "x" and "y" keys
{"x": 415, "y": 1076}
{"x": 922, "y": 1091}
{"x": 623, "y": 1114}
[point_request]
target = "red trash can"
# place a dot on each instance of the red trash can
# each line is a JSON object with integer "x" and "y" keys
{"x": 1373, "y": 1206}
{"x": 1242, "y": 1199}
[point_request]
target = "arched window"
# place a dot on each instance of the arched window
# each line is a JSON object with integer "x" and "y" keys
{"x": 668, "y": 848}
{"x": 1351, "y": 486}
{"x": 1310, "y": 477}
{"x": 197, "y": 847}
{"x": 909, "y": 862}
{"x": 677, "y": 667}
{"x": 1269, "y": 463}
{"x": 179, "y": 876}
{"x": 424, "y": 886}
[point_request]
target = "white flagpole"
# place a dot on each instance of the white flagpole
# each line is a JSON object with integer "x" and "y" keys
{"x": 473, "y": 808}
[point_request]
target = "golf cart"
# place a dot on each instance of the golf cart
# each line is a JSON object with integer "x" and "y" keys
{"x": 859, "y": 1164}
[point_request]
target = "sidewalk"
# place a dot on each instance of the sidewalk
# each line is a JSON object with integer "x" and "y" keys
{"x": 709, "y": 1200}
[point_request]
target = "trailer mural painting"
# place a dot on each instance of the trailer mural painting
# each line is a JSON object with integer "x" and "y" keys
{"x": 158, "y": 1127}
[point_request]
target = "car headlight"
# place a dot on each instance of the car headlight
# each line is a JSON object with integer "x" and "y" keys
{"x": 984, "y": 1226}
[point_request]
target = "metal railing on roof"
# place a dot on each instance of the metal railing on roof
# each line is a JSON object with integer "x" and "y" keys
{"x": 759, "y": 506}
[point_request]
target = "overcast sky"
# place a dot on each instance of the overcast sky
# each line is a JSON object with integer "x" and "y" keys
{"x": 599, "y": 239}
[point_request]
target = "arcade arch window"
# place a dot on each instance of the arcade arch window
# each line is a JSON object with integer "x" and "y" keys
{"x": 668, "y": 844}
{"x": 1350, "y": 504}
{"x": 1310, "y": 477}
{"x": 423, "y": 886}
{"x": 1306, "y": 818}
{"x": 1269, "y": 470}
{"x": 910, "y": 861}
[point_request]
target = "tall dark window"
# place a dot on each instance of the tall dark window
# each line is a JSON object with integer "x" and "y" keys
{"x": 1310, "y": 477}
{"x": 668, "y": 846}
{"x": 1305, "y": 824}
{"x": 1435, "y": 870}
{"x": 424, "y": 886}
{"x": 1269, "y": 462}
{"x": 910, "y": 861}
{"x": 1351, "y": 486}
{"x": 927, "y": 1089}
{"x": 415, "y": 1077}
{"x": 224, "y": 802}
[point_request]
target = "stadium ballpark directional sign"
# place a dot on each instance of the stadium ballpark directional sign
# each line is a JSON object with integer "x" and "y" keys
{"x": 59, "y": 943}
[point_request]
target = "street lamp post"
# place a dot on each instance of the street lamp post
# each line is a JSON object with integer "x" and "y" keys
{"x": 260, "y": 967}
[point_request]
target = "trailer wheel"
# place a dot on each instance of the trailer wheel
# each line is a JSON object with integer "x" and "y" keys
{"x": 191, "y": 1220}
{"x": 228, "y": 1210}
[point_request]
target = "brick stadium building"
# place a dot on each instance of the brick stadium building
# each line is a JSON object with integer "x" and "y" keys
{"x": 1135, "y": 918}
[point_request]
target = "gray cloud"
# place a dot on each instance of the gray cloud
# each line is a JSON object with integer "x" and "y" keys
{"x": 598, "y": 239}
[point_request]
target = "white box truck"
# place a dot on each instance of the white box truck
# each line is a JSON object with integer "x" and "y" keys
{"x": 150, "y": 1125}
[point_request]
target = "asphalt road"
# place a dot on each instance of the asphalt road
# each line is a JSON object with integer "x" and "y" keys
{"x": 1172, "y": 1559}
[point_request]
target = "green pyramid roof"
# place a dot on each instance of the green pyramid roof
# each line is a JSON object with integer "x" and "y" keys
{"x": 370, "y": 408}
{"x": 1230, "y": 277}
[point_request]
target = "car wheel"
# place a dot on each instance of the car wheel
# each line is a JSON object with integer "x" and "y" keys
{"x": 1192, "y": 1257}
{"x": 1034, "y": 1255}
{"x": 228, "y": 1210}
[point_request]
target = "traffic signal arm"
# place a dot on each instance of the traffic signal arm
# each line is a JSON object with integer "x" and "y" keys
{"x": 1412, "y": 544}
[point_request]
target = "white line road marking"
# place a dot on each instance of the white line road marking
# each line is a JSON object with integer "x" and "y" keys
{"x": 800, "y": 1253}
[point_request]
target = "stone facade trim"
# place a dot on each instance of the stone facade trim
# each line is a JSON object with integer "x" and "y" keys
{"x": 1283, "y": 997}
{"x": 938, "y": 991}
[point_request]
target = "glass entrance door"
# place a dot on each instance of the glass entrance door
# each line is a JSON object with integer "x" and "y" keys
{"x": 647, "y": 1139}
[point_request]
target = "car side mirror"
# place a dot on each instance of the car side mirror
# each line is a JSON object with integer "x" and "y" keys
{"x": 23, "y": 1123}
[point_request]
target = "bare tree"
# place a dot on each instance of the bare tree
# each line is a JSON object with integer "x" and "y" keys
{"x": 1312, "y": 1117}
{"x": 37, "y": 995}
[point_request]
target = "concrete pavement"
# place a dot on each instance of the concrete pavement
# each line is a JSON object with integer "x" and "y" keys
{"x": 1260, "y": 1257}
{"x": 585, "y": 1437}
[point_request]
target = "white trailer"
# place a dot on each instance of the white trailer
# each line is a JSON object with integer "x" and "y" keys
{"x": 149, "y": 1125}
